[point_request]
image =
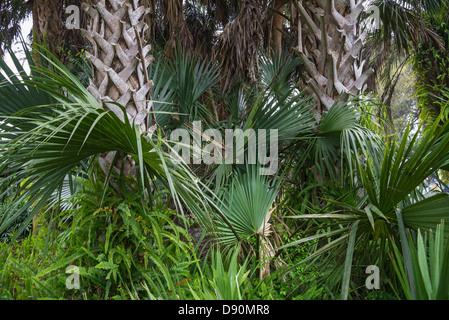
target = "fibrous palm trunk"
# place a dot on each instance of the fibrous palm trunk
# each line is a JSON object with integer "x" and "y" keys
{"x": 179, "y": 33}
{"x": 277, "y": 27}
{"x": 120, "y": 61}
{"x": 47, "y": 22}
{"x": 236, "y": 49}
{"x": 330, "y": 43}
{"x": 48, "y": 29}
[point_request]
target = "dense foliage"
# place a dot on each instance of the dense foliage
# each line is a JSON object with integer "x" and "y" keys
{"x": 92, "y": 189}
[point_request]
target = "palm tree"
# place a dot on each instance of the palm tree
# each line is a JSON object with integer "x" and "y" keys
{"x": 330, "y": 43}
{"x": 120, "y": 59}
{"x": 179, "y": 33}
{"x": 47, "y": 22}
{"x": 413, "y": 30}
{"x": 60, "y": 127}
{"x": 277, "y": 26}
{"x": 118, "y": 97}
{"x": 237, "y": 46}
{"x": 361, "y": 219}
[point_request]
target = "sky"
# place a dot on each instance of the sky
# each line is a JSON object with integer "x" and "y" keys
{"x": 27, "y": 25}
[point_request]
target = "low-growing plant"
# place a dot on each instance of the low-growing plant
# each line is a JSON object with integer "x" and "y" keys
{"x": 422, "y": 265}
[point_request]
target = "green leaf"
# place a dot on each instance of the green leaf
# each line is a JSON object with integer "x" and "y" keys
{"x": 348, "y": 262}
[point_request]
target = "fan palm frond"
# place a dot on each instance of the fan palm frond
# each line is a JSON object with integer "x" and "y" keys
{"x": 37, "y": 160}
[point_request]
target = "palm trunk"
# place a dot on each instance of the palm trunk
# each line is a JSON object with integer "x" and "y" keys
{"x": 179, "y": 32}
{"x": 237, "y": 46}
{"x": 120, "y": 61}
{"x": 48, "y": 29}
{"x": 330, "y": 43}
{"x": 47, "y": 23}
{"x": 276, "y": 33}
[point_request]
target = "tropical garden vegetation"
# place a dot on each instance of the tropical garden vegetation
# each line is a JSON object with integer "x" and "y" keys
{"x": 353, "y": 94}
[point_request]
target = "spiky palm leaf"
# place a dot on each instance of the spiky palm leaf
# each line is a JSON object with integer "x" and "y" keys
{"x": 403, "y": 22}
{"x": 191, "y": 77}
{"x": 342, "y": 136}
{"x": 17, "y": 96}
{"x": 36, "y": 161}
{"x": 422, "y": 265}
{"x": 384, "y": 187}
{"x": 247, "y": 205}
{"x": 276, "y": 72}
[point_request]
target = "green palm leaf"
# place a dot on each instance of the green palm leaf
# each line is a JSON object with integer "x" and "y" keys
{"x": 246, "y": 205}
{"x": 37, "y": 160}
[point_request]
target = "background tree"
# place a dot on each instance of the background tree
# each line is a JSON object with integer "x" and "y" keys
{"x": 277, "y": 26}
{"x": 48, "y": 24}
{"x": 412, "y": 31}
{"x": 12, "y": 13}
